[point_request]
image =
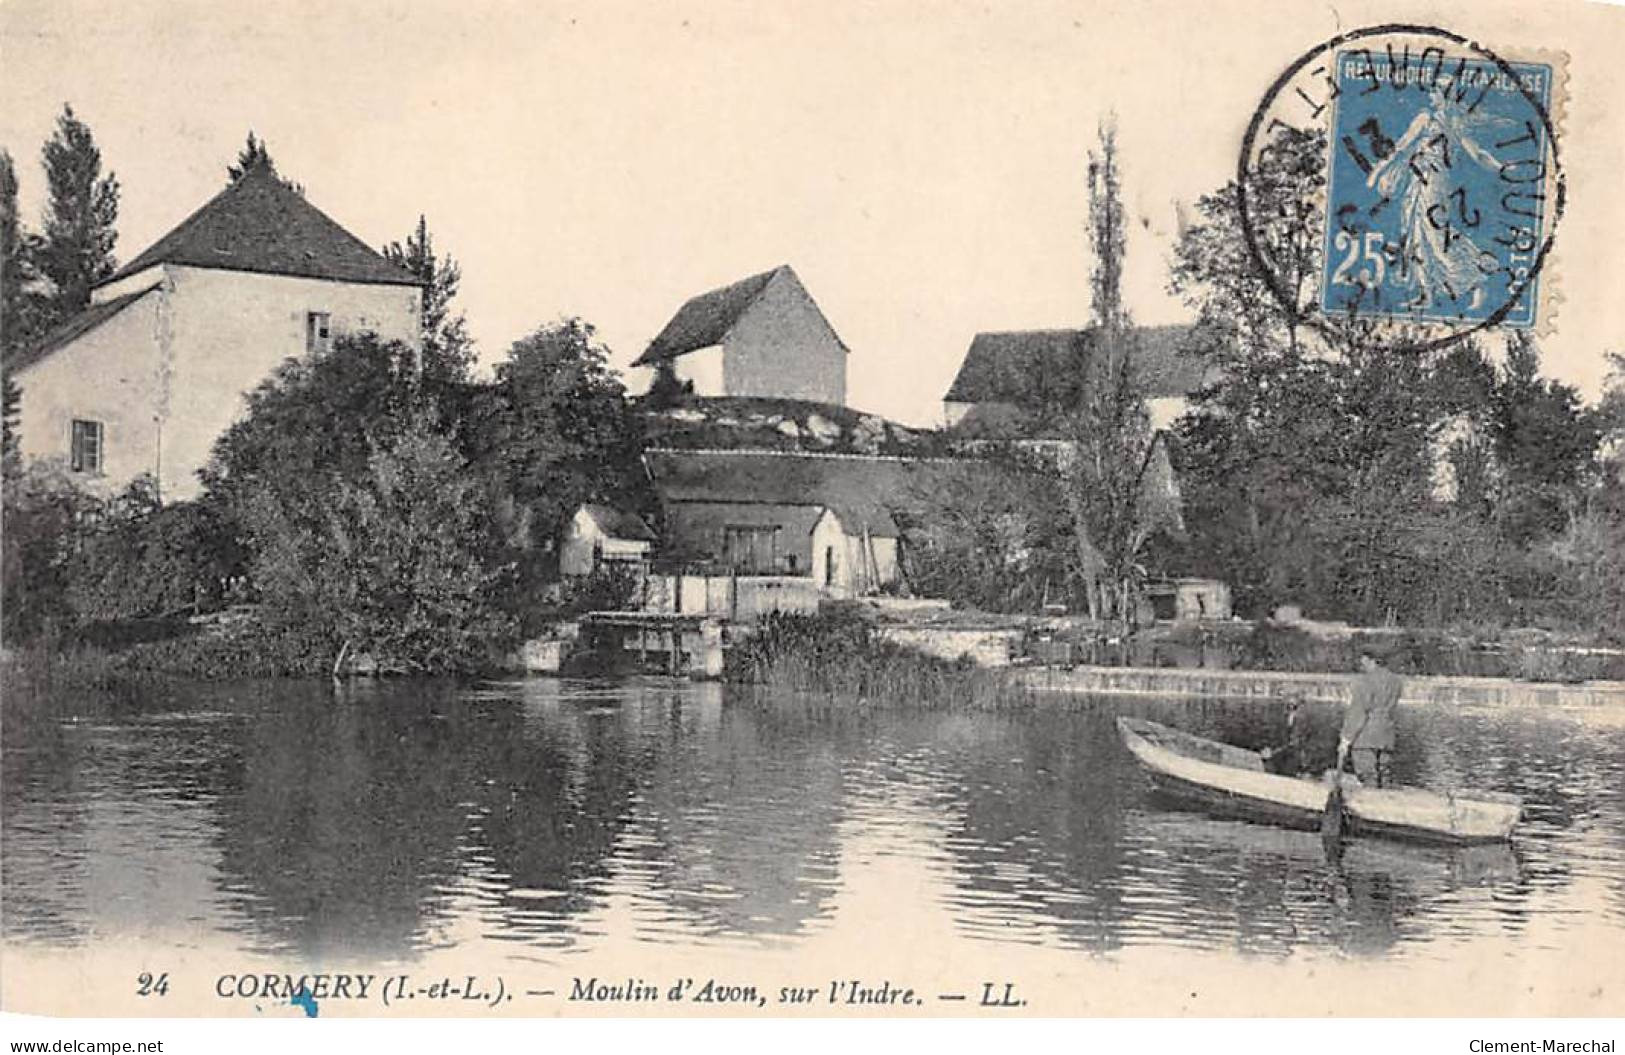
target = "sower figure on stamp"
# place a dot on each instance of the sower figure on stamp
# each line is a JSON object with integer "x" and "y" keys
{"x": 1367, "y": 739}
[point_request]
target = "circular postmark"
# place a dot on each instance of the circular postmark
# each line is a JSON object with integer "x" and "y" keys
{"x": 1403, "y": 182}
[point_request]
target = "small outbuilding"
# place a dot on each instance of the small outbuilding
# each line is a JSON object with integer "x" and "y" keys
{"x": 599, "y": 535}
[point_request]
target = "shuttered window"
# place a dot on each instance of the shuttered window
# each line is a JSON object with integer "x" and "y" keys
{"x": 318, "y": 331}
{"x": 87, "y": 446}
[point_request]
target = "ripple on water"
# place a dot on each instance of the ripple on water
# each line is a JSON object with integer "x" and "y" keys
{"x": 555, "y": 817}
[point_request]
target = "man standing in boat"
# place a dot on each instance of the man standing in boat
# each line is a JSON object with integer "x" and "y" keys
{"x": 1367, "y": 738}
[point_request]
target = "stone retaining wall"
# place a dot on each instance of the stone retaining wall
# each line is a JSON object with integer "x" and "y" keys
{"x": 984, "y": 647}
{"x": 1327, "y": 688}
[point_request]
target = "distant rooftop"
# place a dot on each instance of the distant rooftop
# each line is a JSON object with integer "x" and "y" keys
{"x": 1017, "y": 366}
{"x": 861, "y": 491}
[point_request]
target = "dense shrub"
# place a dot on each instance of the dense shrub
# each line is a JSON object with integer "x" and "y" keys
{"x": 140, "y": 560}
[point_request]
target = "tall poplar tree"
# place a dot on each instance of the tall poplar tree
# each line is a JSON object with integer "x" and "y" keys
{"x": 15, "y": 271}
{"x": 1113, "y": 486}
{"x": 76, "y": 250}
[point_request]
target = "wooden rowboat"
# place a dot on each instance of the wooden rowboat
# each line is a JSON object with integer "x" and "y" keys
{"x": 1232, "y": 781}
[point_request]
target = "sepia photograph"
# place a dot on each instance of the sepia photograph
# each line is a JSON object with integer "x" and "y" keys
{"x": 863, "y": 510}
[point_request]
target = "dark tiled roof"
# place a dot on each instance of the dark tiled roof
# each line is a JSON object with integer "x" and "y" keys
{"x": 617, "y": 524}
{"x": 706, "y": 319}
{"x": 261, "y": 224}
{"x": 1016, "y": 366}
{"x": 77, "y": 327}
{"x": 862, "y": 492}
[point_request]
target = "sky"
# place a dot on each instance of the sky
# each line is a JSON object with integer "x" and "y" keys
{"x": 920, "y": 164}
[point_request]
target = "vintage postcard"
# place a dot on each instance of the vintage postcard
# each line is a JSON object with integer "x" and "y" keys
{"x": 881, "y": 510}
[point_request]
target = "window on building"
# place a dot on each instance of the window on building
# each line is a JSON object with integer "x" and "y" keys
{"x": 318, "y": 331}
{"x": 87, "y": 447}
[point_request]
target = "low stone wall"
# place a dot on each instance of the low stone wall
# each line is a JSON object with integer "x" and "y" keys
{"x": 1325, "y": 688}
{"x": 984, "y": 647}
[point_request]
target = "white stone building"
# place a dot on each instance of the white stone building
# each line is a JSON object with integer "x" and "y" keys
{"x": 146, "y": 378}
{"x": 761, "y": 337}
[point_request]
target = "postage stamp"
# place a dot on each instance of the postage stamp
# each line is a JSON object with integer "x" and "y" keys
{"x": 1439, "y": 191}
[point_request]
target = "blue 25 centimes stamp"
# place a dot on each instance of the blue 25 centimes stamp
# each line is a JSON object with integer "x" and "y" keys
{"x": 1436, "y": 187}
{"x": 1400, "y": 184}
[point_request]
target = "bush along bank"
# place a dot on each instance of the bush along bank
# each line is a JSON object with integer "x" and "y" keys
{"x": 839, "y": 656}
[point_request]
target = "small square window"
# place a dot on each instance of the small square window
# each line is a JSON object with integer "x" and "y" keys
{"x": 318, "y": 331}
{"x": 87, "y": 447}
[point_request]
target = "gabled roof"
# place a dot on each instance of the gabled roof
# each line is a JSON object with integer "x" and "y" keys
{"x": 707, "y": 319}
{"x": 617, "y": 524}
{"x": 261, "y": 224}
{"x": 76, "y": 327}
{"x": 1017, "y": 366}
{"x": 861, "y": 491}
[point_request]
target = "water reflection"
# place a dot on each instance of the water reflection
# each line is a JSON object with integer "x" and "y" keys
{"x": 389, "y": 819}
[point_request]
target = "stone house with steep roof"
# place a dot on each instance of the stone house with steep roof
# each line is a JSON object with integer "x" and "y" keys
{"x": 156, "y": 368}
{"x": 762, "y": 336}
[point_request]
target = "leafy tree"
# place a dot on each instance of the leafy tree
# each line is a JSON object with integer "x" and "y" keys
{"x": 392, "y": 564}
{"x": 412, "y": 520}
{"x": 314, "y": 419}
{"x": 1544, "y": 442}
{"x": 137, "y": 558}
{"x": 43, "y": 513}
{"x": 76, "y": 250}
{"x": 554, "y": 430}
{"x": 448, "y": 351}
{"x": 1308, "y": 469}
{"x": 986, "y": 534}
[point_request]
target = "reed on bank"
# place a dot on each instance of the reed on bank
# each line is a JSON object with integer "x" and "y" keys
{"x": 839, "y": 656}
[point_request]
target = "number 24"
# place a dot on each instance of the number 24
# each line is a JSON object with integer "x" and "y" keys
{"x": 147, "y": 985}
{"x": 1372, "y": 246}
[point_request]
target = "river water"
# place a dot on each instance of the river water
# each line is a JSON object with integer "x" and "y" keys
{"x": 529, "y": 824}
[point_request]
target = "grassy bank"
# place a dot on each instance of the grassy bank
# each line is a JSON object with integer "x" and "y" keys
{"x": 839, "y": 656}
{"x": 115, "y": 661}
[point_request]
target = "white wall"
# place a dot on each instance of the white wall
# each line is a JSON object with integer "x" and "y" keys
{"x": 783, "y": 347}
{"x": 852, "y": 575}
{"x": 168, "y": 374}
{"x": 704, "y": 369}
{"x": 828, "y": 539}
{"x": 110, "y": 375}
{"x": 230, "y": 329}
